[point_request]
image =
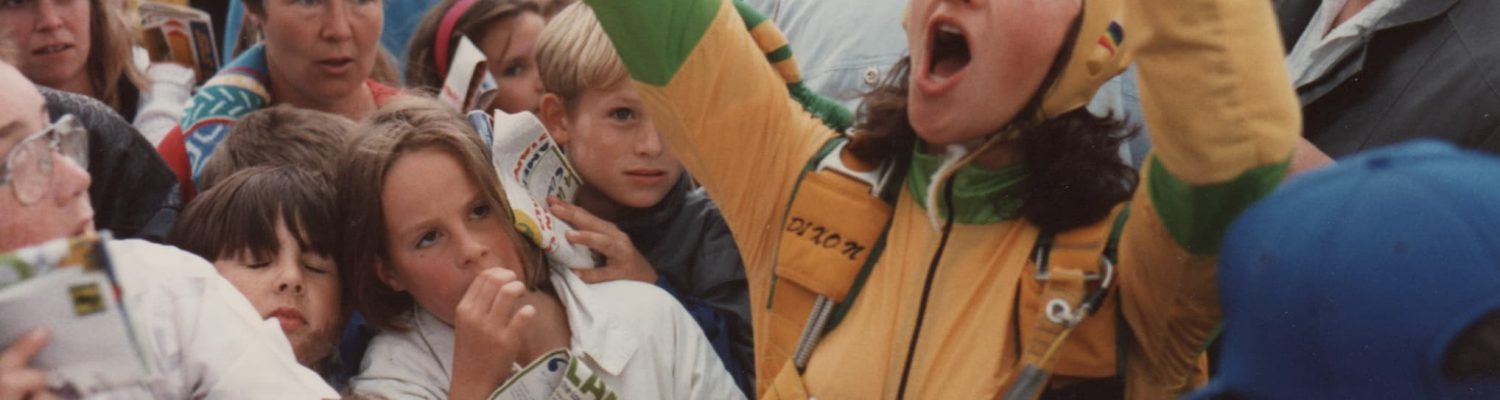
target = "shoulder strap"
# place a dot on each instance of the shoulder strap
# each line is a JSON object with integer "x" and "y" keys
{"x": 1076, "y": 272}
{"x": 832, "y": 236}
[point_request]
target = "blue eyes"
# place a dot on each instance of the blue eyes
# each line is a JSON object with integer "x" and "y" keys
{"x": 478, "y": 212}
{"x": 514, "y": 70}
{"x": 427, "y": 239}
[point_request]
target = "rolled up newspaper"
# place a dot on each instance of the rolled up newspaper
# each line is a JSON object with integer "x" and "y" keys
{"x": 531, "y": 167}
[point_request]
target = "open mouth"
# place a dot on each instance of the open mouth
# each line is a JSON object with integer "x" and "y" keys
{"x": 53, "y": 49}
{"x": 949, "y": 51}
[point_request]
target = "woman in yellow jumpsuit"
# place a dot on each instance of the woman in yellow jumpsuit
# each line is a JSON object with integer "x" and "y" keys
{"x": 987, "y": 120}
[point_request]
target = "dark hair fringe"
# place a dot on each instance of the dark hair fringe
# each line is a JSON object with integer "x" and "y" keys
{"x": 1075, "y": 173}
{"x": 240, "y": 214}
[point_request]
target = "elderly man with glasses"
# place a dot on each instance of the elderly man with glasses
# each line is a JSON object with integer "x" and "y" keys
{"x": 206, "y": 338}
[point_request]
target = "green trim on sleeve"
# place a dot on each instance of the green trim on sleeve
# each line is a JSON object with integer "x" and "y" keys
{"x": 655, "y": 37}
{"x": 833, "y": 114}
{"x": 779, "y": 55}
{"x": 749, "y": 14}
{"x": 1197, "y": 215}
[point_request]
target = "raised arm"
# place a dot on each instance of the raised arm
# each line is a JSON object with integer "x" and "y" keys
{"x": 1223, "y": 120}
{"x": 723, "y": 109}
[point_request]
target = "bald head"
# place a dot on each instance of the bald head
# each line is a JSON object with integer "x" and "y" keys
{"x": 62, "y": 207}
{"x": 22, "y": 109}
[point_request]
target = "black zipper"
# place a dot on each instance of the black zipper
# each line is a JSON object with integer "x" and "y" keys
{"x": 911, "y": 349}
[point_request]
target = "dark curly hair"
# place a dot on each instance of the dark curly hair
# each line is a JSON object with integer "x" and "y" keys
{"x": 1075, "y": 174}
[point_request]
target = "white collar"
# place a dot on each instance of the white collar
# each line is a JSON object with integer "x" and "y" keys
{"x": 596, "y": 335}
{"x": 1320, "y": 47}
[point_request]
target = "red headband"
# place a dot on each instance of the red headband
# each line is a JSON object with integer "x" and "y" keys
{"x": 445, "y": 31}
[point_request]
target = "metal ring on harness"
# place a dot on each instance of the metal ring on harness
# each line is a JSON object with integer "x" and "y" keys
{"x": 1059, "y": 312}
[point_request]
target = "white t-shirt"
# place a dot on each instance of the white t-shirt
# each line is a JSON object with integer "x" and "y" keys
{"x": 202, "y": 334}
{"x": 634, "y": 335}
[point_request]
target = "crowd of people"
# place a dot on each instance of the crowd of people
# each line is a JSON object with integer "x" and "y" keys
{"x": 838, "y": 199}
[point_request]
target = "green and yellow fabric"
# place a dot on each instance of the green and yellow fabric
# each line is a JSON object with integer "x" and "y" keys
{"x": 773, "y": 43}
{"x": 1223, "y": 120}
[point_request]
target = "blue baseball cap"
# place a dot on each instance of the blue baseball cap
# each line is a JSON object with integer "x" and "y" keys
{"x": 1353, "y": 281}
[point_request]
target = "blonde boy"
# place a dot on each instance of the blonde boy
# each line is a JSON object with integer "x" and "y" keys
{"x": 631, "y": 178}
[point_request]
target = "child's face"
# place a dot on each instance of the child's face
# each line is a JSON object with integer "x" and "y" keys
{"x": 297, "y": 287}
{"x": 510, "y": 50}
{"x": 441, "y": 231}
{"x": 613, "y": 145}
{"x": 976, "y": 63}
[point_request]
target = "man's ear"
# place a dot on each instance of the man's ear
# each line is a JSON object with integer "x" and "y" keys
{"x": 387, "y": 276}
{"x": 554, "y": 115}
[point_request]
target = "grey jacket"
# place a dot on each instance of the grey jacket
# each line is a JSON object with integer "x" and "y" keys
{"x": 1430, "y": 69}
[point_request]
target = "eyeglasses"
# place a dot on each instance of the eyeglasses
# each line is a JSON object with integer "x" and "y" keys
{"x": 28, "y": 166}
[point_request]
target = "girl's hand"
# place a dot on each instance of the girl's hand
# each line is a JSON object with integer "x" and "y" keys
{"x": 17, "y": 379}
{"x": 487, "y": 333}
{"x": 621, "y": 259}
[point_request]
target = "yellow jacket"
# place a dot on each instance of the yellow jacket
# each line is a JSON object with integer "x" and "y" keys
{"x": 1223, "y": 121}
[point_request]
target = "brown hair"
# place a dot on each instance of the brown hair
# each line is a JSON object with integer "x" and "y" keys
{"x": 280, "y": 135}
{"x": 574, "y": 55}
{"x": 111, "y": 58}
{"x": 407, "y": 124}
{"x": 421, "y": 63}
{"x": 384, "y": 71}
{"x": 240, "y": 214}
{"x": 1075, "y": 173}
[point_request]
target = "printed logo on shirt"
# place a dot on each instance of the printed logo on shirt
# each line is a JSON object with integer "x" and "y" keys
{"x": 592, "y": 387}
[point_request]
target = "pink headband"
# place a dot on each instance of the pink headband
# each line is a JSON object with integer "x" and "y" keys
{"x": 445, "y": 31}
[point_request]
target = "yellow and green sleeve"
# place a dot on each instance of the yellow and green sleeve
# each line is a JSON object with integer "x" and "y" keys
{"x": 1223, "y": 121}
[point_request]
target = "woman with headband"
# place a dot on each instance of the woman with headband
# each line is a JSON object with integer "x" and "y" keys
{"x": 505, "y": 30}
